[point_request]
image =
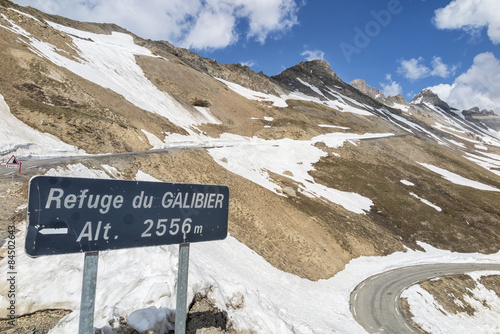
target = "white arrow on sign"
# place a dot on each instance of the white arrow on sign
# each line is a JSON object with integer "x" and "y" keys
{"x": 63, "y": 230}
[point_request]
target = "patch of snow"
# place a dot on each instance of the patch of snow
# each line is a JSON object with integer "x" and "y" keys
{"x": 453, "y": 131}
{"x": 333, "y": 126}
{"x": 111, "y": 171}
{"x": 411, "y": 125}
{"x": 78, "y": 170}
{"x": 460, "y": 124}
{"x": 254, "y": 95}
{"x": 489, "y": 161}
{"x": 481, "y": 147}
{"x": 433, "y": 318}
{"x": 25, "y": 142}
{"x": 417, "y": 101}
{"x": 407, "y": 183}
{"x": 254, "y": 158}
{"x": 149, "y": 319}
{"x": 141, "y": 176}
{"x": 210, "y": 118}
{"x": 457, "y": 179}
{"x": 338, "y": 104}
{"x": 423, "y": 200}
{"x": 312, "y": 87}
{"x": 22, "y": 13}
{"x": 153, "y": 140}
{"x": 401, "y": 107}
{"x": 462, "y": 145}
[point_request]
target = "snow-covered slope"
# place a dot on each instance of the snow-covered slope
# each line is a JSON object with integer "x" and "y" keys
{"x": 17, "y": 137}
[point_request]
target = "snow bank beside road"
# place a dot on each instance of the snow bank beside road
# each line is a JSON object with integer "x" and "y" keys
{"x": 23, "y": 141}
{"x": 433, "y": 318}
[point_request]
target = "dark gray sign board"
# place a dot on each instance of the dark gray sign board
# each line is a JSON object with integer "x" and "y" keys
{"x": 74, "y": 215}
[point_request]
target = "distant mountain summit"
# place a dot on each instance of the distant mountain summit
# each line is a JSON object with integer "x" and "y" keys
{"x": 364, "y": 88}
{"x": 427, "y": 96}
{"x": 315, "y": 72}
{"x": 475, "y": 111}
{"x": 397, "y": 99}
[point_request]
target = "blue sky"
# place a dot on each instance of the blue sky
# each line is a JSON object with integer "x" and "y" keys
{"x": 399, "y": 46}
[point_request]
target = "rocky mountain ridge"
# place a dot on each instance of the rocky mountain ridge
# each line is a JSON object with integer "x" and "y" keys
{"x": 426, "y": 102}
{"x": 364, "y": 88}
{"x": 429, "y": 97}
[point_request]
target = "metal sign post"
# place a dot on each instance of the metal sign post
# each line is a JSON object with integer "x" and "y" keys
{"x": 77, "y": 215}
{"x": 87, "y": 302}
{"x": 182, "y": 285}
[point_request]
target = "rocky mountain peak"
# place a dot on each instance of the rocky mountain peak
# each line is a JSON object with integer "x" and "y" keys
{"x": 364, "y": 88}
{"x": 315, "y": 73}
{"x": 429, "y": 97}
{"x": 309, "y": 70}
{"x": 399, "y": 99}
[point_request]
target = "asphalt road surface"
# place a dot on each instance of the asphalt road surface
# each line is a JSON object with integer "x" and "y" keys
{"x": 29, "y": 166}
{"x": 376, "y": 302}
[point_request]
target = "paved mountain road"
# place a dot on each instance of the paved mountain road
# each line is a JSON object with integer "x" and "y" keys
{"x": 376, "y": 302}
{"x": 30, "y": 164}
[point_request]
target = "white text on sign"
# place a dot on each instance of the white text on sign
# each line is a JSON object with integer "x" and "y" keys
{"x": 57, "y": 199}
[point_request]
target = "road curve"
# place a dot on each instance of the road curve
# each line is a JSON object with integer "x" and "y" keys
{"x": 376, "y": 302}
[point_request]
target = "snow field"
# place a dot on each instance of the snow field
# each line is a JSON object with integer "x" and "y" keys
{"x": 433, "y": 318}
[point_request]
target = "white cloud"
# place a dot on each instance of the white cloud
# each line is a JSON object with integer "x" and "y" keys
{"x": 414, "y": 68}
{"x": 248, "y": 63}
{"x": 440, "y": 69}
{"x": 471, "y": 15}
{"x": 212, "y": 30}
{"x": 313, "y": 54}
{"x": 479, "y": 86}
{"x": 197, "y": 24}
{"x": 392, "y": 88}
{"x": 266, "y": 16}
{"x": 443, "y": 91}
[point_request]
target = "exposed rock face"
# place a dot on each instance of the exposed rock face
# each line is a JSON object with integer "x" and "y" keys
{"x": 428, "y": 96}
{"x": 482, "y": 118}
{"x": 316, "y": 78}
{"x": 399, "y": 99}
{"x": 475, "y": 112}
{"x": 316, "y": 73}
{"x": 373, "y": 92}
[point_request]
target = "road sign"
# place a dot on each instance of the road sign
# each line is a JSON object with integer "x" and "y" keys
{"x": 73, "y": 215}
{"x": 13, "y": 163}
